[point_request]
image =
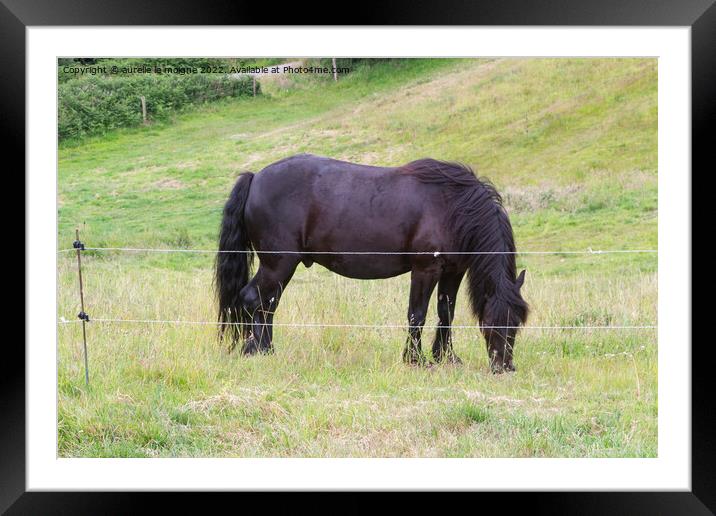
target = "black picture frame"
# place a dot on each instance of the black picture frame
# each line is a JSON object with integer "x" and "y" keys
{"x": 700, "y": 15}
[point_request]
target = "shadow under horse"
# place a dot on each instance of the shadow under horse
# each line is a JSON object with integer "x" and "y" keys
{"x": 431, "y": 218}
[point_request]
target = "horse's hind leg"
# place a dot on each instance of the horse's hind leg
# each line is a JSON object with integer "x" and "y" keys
{"x": 447, "y": 294}
{"x": 422, "y": 284}
{"x": 260, "y": 299}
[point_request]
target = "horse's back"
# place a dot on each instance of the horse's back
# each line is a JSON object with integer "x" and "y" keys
{"x": 307, "y": 168}
{"x": 305, "y": 179}
{"x": 315, "y": 204}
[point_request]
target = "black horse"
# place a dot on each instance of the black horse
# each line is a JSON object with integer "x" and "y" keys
{"x": 432, "y": 218}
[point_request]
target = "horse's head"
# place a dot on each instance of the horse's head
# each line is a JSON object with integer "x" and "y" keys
{"x": 504, "y": 311}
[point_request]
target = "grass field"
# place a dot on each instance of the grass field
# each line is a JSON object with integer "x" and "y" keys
{"x": 571, "y": 144}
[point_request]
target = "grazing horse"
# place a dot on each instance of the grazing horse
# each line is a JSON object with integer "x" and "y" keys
{"x": 431, "y": 218}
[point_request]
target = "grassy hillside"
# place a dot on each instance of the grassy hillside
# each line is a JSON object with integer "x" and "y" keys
{"x": 571, "y": 144}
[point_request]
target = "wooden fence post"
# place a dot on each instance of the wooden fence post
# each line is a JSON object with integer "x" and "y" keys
{"x": 144, "y": 109}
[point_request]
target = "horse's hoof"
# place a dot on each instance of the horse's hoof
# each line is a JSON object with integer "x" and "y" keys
{"x": 250, "y": 347}
{"x": 499, "y": 369}
{"x": 415, "y": 360}
{"x": 449, "y": 358}
{"x": 454, "y": 360}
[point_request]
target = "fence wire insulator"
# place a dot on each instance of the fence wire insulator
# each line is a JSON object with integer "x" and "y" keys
{"x": 83, "y": 316}
{"x": 78, "y": 245}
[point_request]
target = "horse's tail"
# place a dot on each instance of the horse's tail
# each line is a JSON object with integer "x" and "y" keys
{"x": 233, "y": 262}
{"x": 480, "y": 225}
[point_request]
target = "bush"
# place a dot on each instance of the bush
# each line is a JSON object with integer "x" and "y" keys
{"x": 96, "y": 104}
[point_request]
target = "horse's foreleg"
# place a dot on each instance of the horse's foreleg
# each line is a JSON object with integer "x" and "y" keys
{"x": 262, "y": 323}
{"x": 447, "y": 294}
{"x": 422, "y": 284}
{"x": 261, "y": 301}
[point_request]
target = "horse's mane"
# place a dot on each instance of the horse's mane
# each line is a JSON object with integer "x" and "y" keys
{"x": 479, "y": 222}
{"x": 446, "y": 173}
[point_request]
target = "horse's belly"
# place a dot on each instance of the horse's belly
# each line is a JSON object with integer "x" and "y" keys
{"x": 364, "y": 266}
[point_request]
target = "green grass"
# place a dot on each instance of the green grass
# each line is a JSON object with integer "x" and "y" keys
{"x": 571, "y": 144}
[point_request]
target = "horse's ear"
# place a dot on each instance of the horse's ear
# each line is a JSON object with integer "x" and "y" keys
{"x": 520, "y": 279}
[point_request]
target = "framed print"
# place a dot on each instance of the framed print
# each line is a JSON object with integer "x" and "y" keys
{"x": 479, "y": 234}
